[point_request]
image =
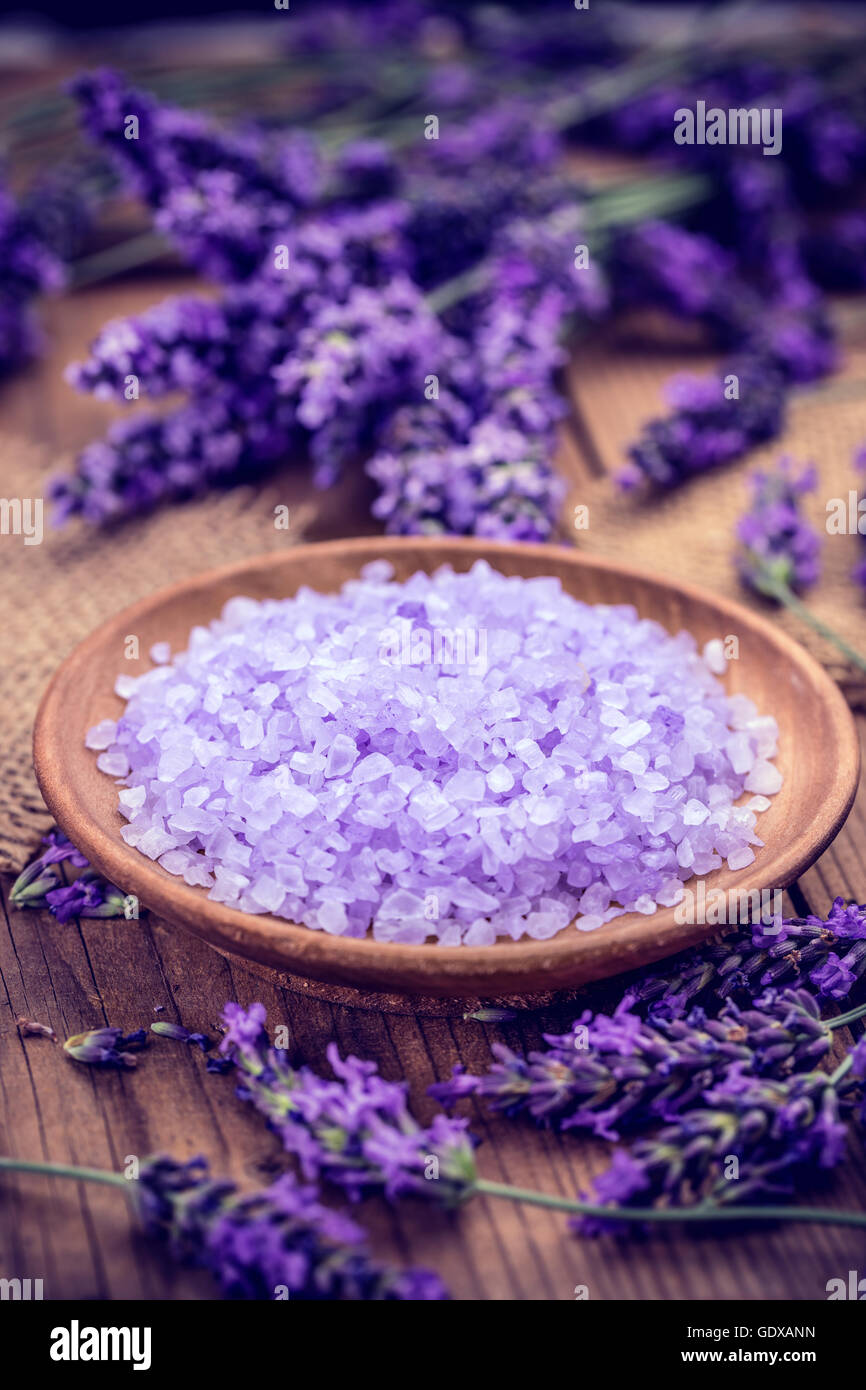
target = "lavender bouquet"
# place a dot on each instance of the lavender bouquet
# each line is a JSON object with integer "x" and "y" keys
{"x": 399, "y": 295}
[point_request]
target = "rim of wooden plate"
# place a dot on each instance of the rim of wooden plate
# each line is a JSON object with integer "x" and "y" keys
{"x": 66, "y": 770}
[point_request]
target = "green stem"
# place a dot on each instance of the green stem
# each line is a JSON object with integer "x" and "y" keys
{"x": 778, "y": 589}
{"x": 64, "y": 1170}
{"x": 614, "y": 207}
{"x": 843, "y": 1068}
{"x": 702, "y": 1212}
{"x": 126, "y": 255}
{"x": 844, "y": 1019}
{"x": 699, "y": 1213}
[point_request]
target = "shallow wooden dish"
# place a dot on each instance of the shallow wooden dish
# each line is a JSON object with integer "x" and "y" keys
{"x": 819, "y": 759}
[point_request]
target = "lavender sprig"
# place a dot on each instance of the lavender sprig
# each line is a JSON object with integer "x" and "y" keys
{"x": 280, "y": 1242}
{"x": 709, "y": 425}
{"x": 779, "y": 553}
{"x": 357, "y": 1130}
{"x": 621, "y": 1071}
{"x": 426, "y": 1284}
{"x": 779, "y": 548}
{"x": 827, "y": 955}
{"x": 751, "y": 1137}
{"x": 38, "y": 877}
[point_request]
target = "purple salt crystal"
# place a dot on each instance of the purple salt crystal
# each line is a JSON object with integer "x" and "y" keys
{"x": 461, "y": 757}
{"x": 102, "y": 735}
{"x": 115, "y": 764}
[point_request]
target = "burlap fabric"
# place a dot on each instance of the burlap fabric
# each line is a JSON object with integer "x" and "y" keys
{"x": 52, "y": 595}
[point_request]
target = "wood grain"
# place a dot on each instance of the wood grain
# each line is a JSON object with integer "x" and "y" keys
{"x": 90, "y": 973}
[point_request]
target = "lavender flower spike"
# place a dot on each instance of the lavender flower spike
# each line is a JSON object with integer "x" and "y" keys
{"x": 790, "y": 951}
{"x": 280, "y": 1243}
{"x": 620, "y": 1071}
{"x": 779, "y": 547}
{"x": 357, "y": 1130}
{"x": 779, "y": 1132}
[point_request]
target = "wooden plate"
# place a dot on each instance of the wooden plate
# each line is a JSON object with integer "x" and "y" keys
{"x": 819, "y": 759}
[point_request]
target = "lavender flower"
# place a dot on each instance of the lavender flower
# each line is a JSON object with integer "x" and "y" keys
{"x": 238, "y": 420}
{"x": 358, "y": 359}
{"x": 836, "y": 254}
{"x": 663, "y": 266}
{"x": 280, "y": 1242}
{"x": 89, "y": 895}
{"x": 790, "y": 951}
{"x": 709, "y": 425}
{"x": 615, "y": 1071}
{"x": 356, "y": 1130}
{"x": 105, "y": 1047}
{"x": 32, "y": 884}
{"x": 31, "y": 1027}
{"x": 223, "y": 196}
{"x": 27, "y": 268}
{"x": 779, "y": 547}
{"x": 780, "y": 1133}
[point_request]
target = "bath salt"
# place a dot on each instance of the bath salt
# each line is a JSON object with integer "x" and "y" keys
{"x": 455, "y": 758}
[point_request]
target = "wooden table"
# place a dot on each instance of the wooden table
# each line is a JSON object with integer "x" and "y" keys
{"x": 87, "y": 974}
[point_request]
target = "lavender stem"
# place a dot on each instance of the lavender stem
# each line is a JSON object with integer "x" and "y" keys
{"x": 783, "y": 594}
{"x": 64, "y": 1170}
{"x": 708, "y": 1212}
{"x": 702, "y": 1212}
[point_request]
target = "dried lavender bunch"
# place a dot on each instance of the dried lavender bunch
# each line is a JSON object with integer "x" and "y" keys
{"x": 357, "y": 1130}
{"x": 89, "y": 895}
{"x": 621, "y": 1071}
{"x": 779, "y": 1133}
{"x": 779, "y": 548}
{"x": 334, "y": 354}
{"x": 280, "y": 1242}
